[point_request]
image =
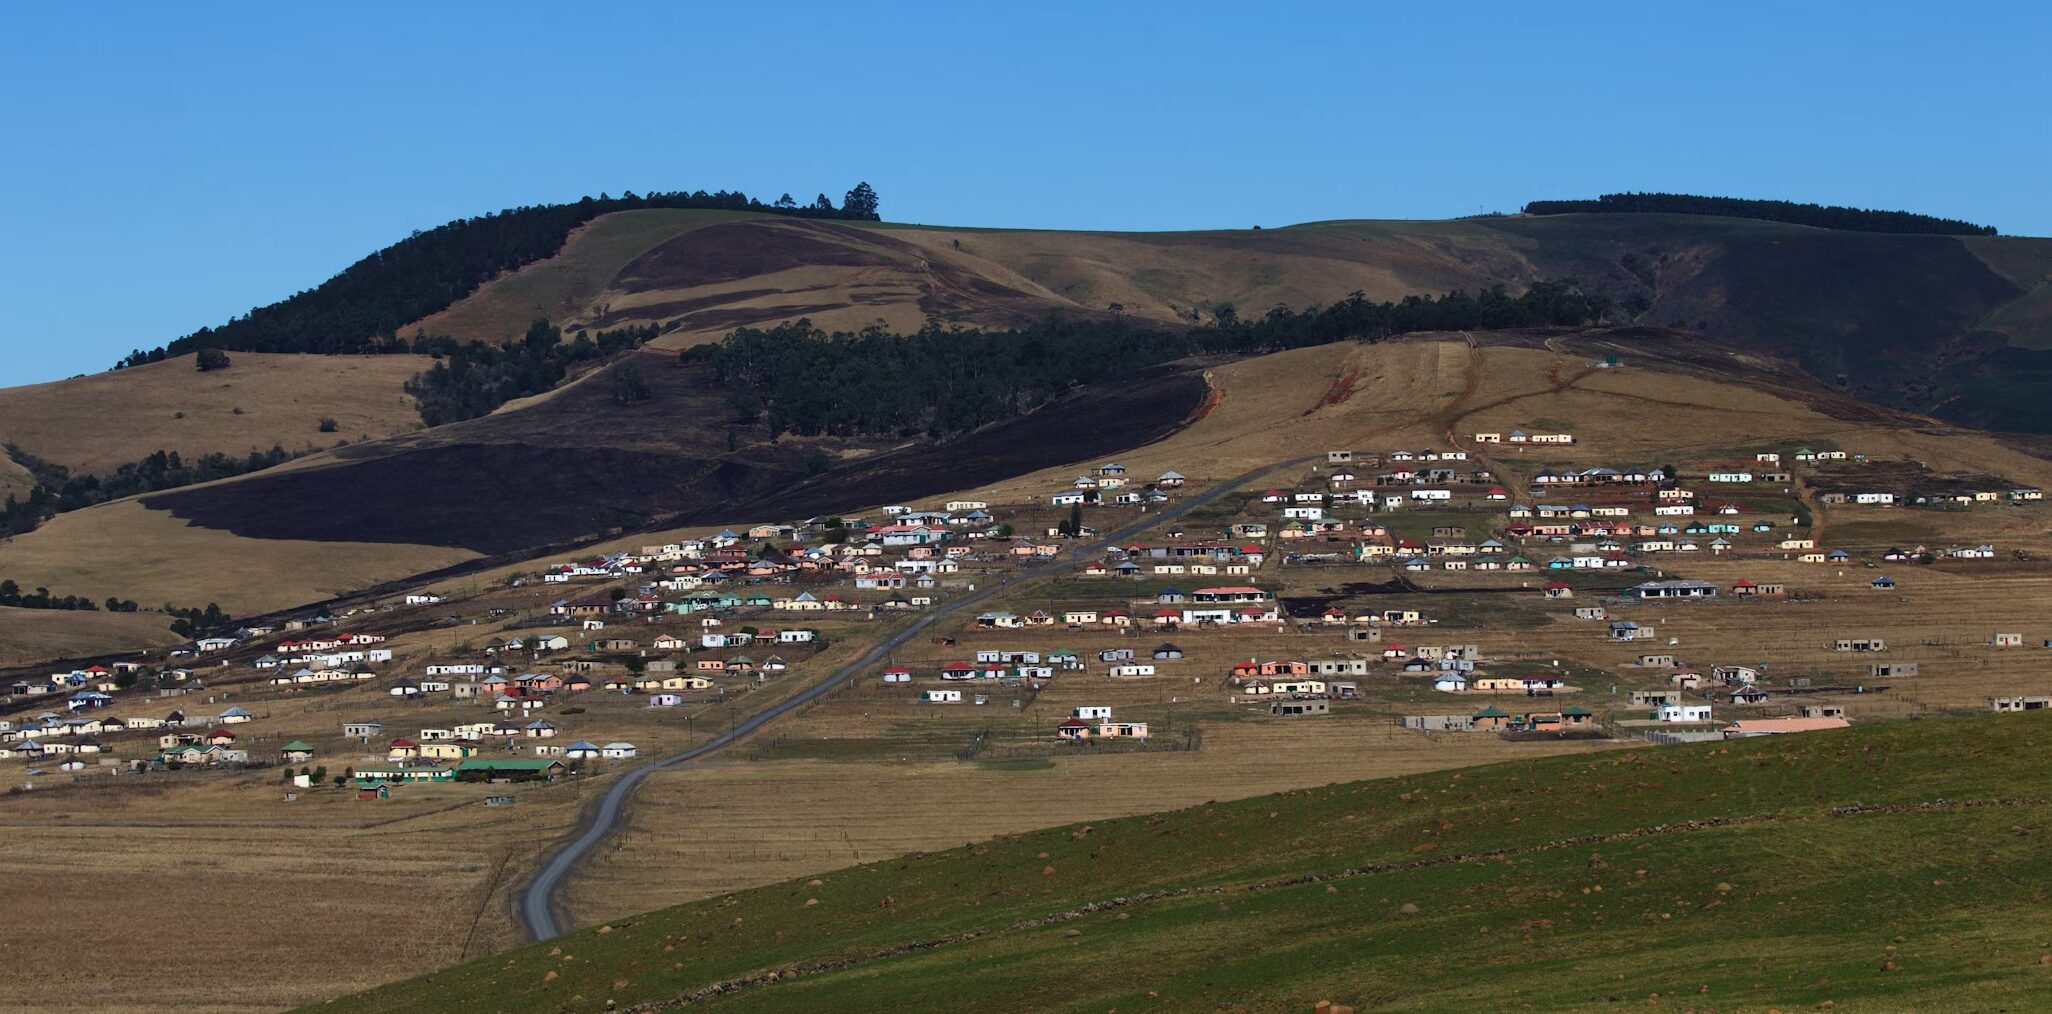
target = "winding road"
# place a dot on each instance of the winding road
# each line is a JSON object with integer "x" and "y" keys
{"x": 537, "y": 905}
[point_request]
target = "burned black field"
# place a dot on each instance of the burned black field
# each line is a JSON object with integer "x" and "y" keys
{"x": 582, "y": 466}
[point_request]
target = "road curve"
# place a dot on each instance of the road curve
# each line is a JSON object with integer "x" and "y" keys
{"x": 538, "y": 899}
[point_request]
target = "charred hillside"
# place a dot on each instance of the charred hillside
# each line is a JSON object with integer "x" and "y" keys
{"x": 584, "y": 464}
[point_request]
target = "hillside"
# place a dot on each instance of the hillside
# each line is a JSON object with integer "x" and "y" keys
{"x": 1739, "y": 875}
{"x": 1943, "y": 324}
{"x": 549, "y": 473}
{"x": 95, "y": 423}
{"x": 796, "y": 800}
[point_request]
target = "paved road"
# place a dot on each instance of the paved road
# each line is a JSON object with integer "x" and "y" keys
{"x": 538, "y": 900}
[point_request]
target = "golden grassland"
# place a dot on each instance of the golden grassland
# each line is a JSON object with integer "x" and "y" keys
{"x": 94, "y": 423}
{"x": 33, "y": 635}
{"x": 124, "y": 549}
{"x": 211, "y": 893}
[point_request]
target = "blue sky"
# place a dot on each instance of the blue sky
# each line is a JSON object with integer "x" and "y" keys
{"x": 168, "y": 168}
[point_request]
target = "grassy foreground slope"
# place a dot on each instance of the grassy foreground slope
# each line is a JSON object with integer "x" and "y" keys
{"x": 1890, "y": 867}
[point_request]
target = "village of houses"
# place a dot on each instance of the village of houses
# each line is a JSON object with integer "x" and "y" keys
{"x": 1413, "y": 588}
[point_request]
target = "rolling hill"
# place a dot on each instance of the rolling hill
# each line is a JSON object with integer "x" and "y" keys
{"x": 550, "y": 474}
{"x": 1774, "y": 872}
{"x": 1948, "y": 325}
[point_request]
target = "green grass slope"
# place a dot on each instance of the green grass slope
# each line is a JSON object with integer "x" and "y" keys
{"x": 1882, "y": 868}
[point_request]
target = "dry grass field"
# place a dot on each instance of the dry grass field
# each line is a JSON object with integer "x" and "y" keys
{"x": 279, "y": 903}
{"x": 98, "y": 422}
{"x": 123, "y": 549}
{"x": 33, "y": 635}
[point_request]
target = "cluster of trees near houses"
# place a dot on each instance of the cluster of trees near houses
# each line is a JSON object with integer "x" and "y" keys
{"x": 471, "y": 379}
{"x": 1821, "y": 216}
{"x": 12, "y": 595}
{"x": 363, "y": 308}
{"x": 946, "y": 381}
{"x": 189, "y": 621}
{"x": 57, "y": 490}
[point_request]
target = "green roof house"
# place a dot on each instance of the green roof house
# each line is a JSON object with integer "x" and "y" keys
{"x": 1491, "y": 718}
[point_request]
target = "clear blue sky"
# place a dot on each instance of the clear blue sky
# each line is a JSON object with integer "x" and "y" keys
{"x": 169, "y": 166}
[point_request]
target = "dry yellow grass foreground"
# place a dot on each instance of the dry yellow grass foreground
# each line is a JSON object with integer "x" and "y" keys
{"x": 123, "y": 549}
{"x": 219, "y": 896}
{"x": 96, "y": 423}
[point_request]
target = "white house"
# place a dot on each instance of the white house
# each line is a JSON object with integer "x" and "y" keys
{"x": 1682, "y": 713}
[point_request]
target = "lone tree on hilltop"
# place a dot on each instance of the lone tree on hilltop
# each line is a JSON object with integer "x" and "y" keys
{"x": 861, "y": 202}
{"x": 211, "y": 360}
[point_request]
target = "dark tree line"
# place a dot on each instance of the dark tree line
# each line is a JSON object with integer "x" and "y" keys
{"x": 362, "y": 309}
{"x": 12, "y": 595}
{"x": 474, "y": 378}
{"x": 185, "y": 622}
{"x": 943, "y": 382}
{"x": 1819, "y": 215}
{"x": 57, "y": 490}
